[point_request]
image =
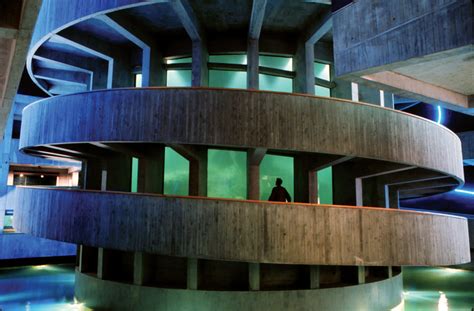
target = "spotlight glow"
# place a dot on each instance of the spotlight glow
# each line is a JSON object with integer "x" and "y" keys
{"x": 440, "y": 115}
{"x": 464, "y": 191}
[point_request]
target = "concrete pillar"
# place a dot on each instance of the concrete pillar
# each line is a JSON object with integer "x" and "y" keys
{"x": 119, "y": 172}
{"x": 200, "y": 73}
{"x": 100, "y": 263}
{"x": 138, "y": 268}
{"x": 252, "y": 64}
{"x": 303, "y": 175}
{"x": 93, "y": 174}
{"x": 391, "y": 197}
{"x": 197, "y": 157}
{"x": 254, "y": 276}
{"x": 344, "y": 188}
{"x": 390, "y": 271}
{"x": 157, "y": 70}
{"x": 313, "y": 186}
{"x": 151, "y": 171}
{"x": 314, "y": 277}
{"x": 361, "y": 274}
{"x": 373, "y": 192}
{"x": 254, "y": 158}
{"x": 192, "y": 273}
{"x": 304, "y": 65}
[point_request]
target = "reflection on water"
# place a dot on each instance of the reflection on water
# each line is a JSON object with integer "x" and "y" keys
{"x": 45, "y": 287}
{"x": 51, "y": 287}
{"x": 439, "y": 289}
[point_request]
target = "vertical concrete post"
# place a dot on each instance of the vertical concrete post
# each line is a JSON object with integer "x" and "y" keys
{"x": 313, "y": 186}
{"x": 157, "y": 70}
{"x": 302, "y": 169}
{"x": 100, "y": 263}
{"x": 138, "y": 268}
{"x": 314, "y": 277}
{"x": 361, "y": 274}
{"x": 119, "y": 172}
{"x": 344, "y": 184}
{"x": 254, "y": 276}
{"x": 200, "y": 73}
{"x": 80, "y": 253}
{"x": 151, "y": 171}
{"x": 304, "y": 65}
{"x": 359, "y": 192}
{"x": 390, "y": 271}
{"x": 93, "y": 174}
{"x": 252, "y": 64}
{"x": 192, "y": 273}
{"x": 197, "y": 157}
{"x": 254, "y": 158}
{"x": 392, "y": 199}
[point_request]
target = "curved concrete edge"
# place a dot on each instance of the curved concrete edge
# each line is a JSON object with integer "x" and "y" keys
{"x": 18, "y": 245}
{"x": 211, "y": 116}
{"x": 249, "y": 231}
{"x": 102, "y": 294}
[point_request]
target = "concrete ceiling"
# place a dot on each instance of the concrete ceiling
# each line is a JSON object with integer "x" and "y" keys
{"x": 17, "y": 19}
{"x": 453, "y": 72}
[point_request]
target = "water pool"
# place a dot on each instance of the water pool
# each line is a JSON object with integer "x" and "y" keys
{"x": 51, "y": 287}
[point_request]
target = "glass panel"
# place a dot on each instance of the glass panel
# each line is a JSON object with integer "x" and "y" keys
{"x": 183, "y": 60}
{"x": 240, "y": 59}
{"x": 176, "y": 173}
{"x": 322, "y": 91}
{"x": 227, "y": 174}
{"x": 8, "y": 220}
{"x": 271, "y": 168}
{"x": 228, "y": 79}
{"x": 134, "y": 186}
{"x": 325, "y": 186}
{"x": 138, "y": 80}
{"x": 322, "y": 71}
{"x": 278, "y": 62}
{"x": 273, "y": 83}
{"x": 178, "y": 78}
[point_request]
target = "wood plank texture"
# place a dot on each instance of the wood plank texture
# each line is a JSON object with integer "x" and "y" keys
{"x": 251, "y": 231}
{"x": 243, "y": 119}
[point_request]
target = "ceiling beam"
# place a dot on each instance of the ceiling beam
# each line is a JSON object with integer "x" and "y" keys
{"x": 256, "y": 19}
{"x": 93, "y": 52}
{"x": 188, "y": 18}
{"x": 318, "y": 29}
{"x": 126, "y": 30}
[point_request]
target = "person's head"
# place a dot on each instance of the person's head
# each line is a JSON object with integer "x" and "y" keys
{"x": 278, "y": 182}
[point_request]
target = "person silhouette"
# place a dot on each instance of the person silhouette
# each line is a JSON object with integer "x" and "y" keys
{"x": 279, "y": 193}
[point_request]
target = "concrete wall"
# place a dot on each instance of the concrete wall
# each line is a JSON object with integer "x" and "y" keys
{"x": 18, "y": 245}
{"x": 382, "y": 295}
{"x": 371, "y": 33}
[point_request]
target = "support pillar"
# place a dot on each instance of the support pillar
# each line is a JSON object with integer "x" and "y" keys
{"x": 200, "y": 73}
{"x": 392, "y": 199}
{"x": 254, "y": 276}
{"x": 197, "y": 157}
{"x": 361, "y": 274}
{"x": 151, "y": 171}
{"x": 119, "y": 173}
{"x": 100, "y": 263}
{"x": 314, "y": 277}
{"x": 192, "y": 273}
{"x": 304, "y": 179}
{"x": 304, "y": 64}
{"x": 254, "y": 158}
{"x": 252, "y": 64}
{"x": 93, "y": 174}
{"x": 138, "y": 268}
{"x": 344, "y": 184}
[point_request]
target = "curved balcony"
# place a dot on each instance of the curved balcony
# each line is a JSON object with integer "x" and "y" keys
{"x": 249, "y": 231}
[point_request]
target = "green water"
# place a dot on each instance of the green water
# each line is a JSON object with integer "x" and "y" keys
{"x": 440, "y": 289}
{"x": 51, "y": 287}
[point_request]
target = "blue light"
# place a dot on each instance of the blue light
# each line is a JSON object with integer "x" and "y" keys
{"x": 464, "y": 191}
{"x": 440, "y": 115}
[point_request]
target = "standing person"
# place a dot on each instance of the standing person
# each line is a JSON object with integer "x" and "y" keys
{"x": 279, "y": 193}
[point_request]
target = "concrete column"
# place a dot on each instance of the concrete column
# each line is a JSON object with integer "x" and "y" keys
{"x": 138, "y": 268}
{"x": 361, "y": 274}
{"x": 344, "y": 192}
{"x": 313, "y": 186}
{"x": 151, "y": 170}
{"x": 157, "y": 70}
{"x": 100, "y": 263}
{"x": 200, "y": 73}
{"x": 254, "y": 276}
{"x": 252, "y": 64}
{"x": 197, "y": 157}
{"x": 390, "y": 271}
{"x": 391, "y": 197}
{"x": 314, "y": 277}
{"x": 304, "y": 64}
{"x": 93, "y": 174}
{"x": 302, "y": 175}
{"x": 254, "y": 158}
{"x": 119, "y": 172}
{"x": 192, "y": 274}
{"x": 373, "y": 192}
